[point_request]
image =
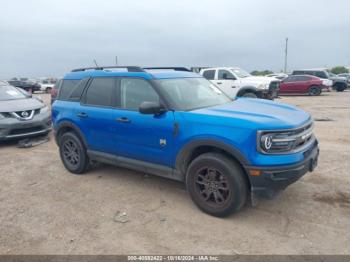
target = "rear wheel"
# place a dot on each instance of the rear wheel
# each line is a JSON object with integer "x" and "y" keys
{"x": 250, "y": 95}
{"x": 48, "y": 90}
{"x": 216, "y": 184}
{"x": 315, "y": 91}
{"x": 73, "y": 153}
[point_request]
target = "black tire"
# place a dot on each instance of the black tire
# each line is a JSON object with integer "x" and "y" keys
{"x": 48, "y": 90}
{"x": 250, "y": 95}
{"x": 73, "y": 153}
{"x": 315, "y": 90}
{"x": 340, "y": 87}
{"x": 216, "y": 184}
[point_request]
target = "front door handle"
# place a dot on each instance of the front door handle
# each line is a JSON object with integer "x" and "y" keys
{"x": 82, "y": 115}
{"x": 219, "y": 83}
{"x": 123, "y": 120}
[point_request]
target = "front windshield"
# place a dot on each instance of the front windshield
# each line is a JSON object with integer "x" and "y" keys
{"x": 240, "y": 72}
{"x": 188, "y": 94}
{"x": 10, "y": 93}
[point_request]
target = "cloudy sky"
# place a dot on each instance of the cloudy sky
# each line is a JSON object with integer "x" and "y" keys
{"x": 48, "y": 38}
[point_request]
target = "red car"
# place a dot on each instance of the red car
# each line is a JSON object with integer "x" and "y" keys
{"x": 54, "y": 91}
{"x": 301, "y": 84}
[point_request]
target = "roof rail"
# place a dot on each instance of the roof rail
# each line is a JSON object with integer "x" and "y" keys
{"x": 168, "y": 67}
{"x": 129, "y": 68}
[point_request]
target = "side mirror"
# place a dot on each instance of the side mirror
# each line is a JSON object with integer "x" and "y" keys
{"x": 151, "y": 108}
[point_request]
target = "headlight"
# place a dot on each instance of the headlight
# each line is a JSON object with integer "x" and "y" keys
{"x": 275, "y": 142}
{"x": 263, "y": 86}
{"x": 285, "y": 141}
{"x": 44, "y": 110}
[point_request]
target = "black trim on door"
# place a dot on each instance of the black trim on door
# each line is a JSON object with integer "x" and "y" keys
{"x": 137, "y": 165}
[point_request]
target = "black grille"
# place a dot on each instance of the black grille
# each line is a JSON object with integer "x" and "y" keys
{"x": 288, "y": 141}
{"x": 22, "y": 131}
{"x": 274, "y": 85}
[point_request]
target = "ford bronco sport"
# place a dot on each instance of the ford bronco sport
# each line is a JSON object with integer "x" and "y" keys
{"x": 178, "y": 125}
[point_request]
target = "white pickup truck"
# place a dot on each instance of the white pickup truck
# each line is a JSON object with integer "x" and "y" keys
{"x": 237, "y": 82}
{"x": 46, "y": 85}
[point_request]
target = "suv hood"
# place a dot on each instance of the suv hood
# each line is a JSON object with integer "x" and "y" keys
{"x": 253, "y": 114}
{"x": 338, "y": 78}
{"x": 20, "y": 105}
{"x": 259, "y": 79}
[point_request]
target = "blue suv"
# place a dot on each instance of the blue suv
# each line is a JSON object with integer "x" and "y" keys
{"x": 176, "y": 124}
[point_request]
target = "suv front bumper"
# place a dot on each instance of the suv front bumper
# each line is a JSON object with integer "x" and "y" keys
{"x": 12, "y": 128}
{"x": 274, "y": 179}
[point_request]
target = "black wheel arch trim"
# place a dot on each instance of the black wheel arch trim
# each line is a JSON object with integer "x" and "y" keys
{"x": 188, "y": 149}
{"x": 70, "y": 125}
{"x": 251, "y": 89}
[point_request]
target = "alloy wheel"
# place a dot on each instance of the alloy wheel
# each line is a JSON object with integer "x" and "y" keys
{"x": 212, "y": 186}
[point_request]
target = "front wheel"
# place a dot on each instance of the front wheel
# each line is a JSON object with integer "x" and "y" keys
{"x": 250, "y": 95}
{"x": 73, "y": 153}
{"x": 340, "y": 87}
{"x": 216, "y": 184}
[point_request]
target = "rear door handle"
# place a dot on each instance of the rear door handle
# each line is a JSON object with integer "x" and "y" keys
{"x": 219, "y": 83}
{"x": 123, "y": 120}
{"x": 82, "y": 115}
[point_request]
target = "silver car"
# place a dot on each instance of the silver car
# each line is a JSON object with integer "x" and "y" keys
{"x": 21, "y": 115}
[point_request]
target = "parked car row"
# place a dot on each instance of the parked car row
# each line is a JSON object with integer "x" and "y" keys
{"x": 26, "y": 85}
{"x": 179, "y": 123}
{"x": 34, "y": 85}
{"x": 337, "y": 82}
{"x": 311, "y": 81}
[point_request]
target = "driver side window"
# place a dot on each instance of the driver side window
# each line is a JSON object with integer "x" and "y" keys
{"x": 135, "y": 91}
{"x": 225, "y": 75}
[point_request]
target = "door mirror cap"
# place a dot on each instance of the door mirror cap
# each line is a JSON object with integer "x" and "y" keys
{"x": 151, "y": 108}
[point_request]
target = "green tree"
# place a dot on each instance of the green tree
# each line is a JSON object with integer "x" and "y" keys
{"x": 261, "y": 73}
{"x": 339, "y": 70}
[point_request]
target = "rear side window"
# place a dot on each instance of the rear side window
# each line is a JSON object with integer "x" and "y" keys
{"x": 58, "y": 84}
{"x": 289, "y": 79}
{"x": 320, "y": 74}
{"x": 209, "y": 74}
{"x": 67, "y": 87}
{"x": 101, "y": 92}
{"x": 303, "y": 78}
{"x": 298, "y": 73}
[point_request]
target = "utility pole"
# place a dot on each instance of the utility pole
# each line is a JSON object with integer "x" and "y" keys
{"x": 116, "y": 60}
{"x": 286, "y": 56}
{"x": 95, "y": 63}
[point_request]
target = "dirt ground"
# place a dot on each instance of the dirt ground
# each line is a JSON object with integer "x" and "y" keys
{"x": 46, "y": 210}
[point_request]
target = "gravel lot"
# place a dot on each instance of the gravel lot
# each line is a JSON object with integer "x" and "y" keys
{"x": 46, "y": 210}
